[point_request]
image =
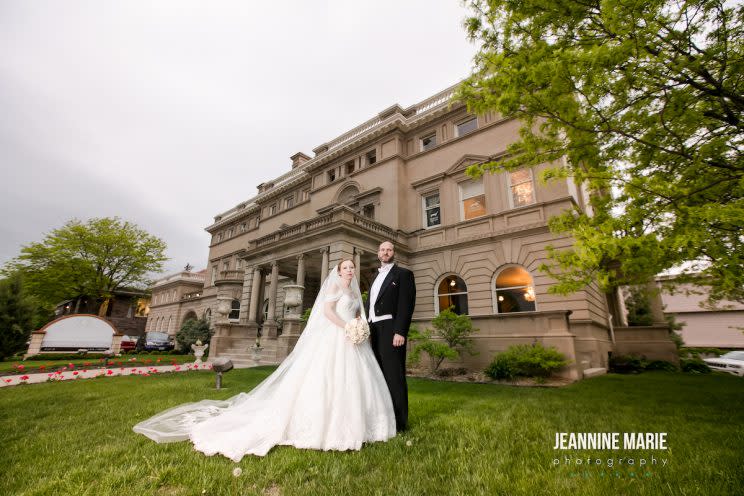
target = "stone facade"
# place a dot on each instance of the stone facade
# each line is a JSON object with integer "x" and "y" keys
{"x": 476, "y": 244}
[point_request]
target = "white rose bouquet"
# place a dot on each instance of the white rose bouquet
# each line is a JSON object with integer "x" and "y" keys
{"x": 357, "y": 330}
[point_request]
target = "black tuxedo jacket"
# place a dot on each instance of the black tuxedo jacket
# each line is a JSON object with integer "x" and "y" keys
{"x": 397, "y": 297}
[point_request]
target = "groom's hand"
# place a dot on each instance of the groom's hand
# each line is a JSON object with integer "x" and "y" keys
{"x": 398, "y": 340}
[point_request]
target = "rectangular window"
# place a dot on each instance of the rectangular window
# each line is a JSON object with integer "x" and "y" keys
{"x": 428, "y": 142}
{"x": 369, "y": 211}
{"x": 371, "y": 157}
{"x": 522, "y": 188}
{"x": 226, "y": 265}
{"x": 350, "y": 166}
{"x": 214, "y": 274}
{"x": 467, "y": 126}
{"x": 305, "y": 194}
{"x": 331, "y": 175}
{"x": 219, "y": 237}
{"x": 242, "y": 227}
{"x": 238, "y": 264}
{"x": 473, "y": 199}
{"x": 272, "y": 209}
{"x": 432, "y": 215}
{"x": 289, "y": 202}
{"x": 229, "y": 233}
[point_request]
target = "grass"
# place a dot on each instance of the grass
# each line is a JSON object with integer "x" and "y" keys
{"x": 76, "y": 438}
{"x": 9, "y": 367}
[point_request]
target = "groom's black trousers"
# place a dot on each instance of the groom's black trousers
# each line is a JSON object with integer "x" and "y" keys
{"x": 392, "y": 360}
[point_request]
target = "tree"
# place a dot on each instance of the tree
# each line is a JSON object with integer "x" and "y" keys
{"x": 89, "y": 260}
{"x": 191, "y": 331}
{"x": 20, "y": 314}
{"x": 643, "y": 104}
{"x": 452, "y": 332}
{"x": 638, "y": 307}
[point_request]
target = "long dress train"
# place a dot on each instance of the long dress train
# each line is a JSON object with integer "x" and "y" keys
{"x": 328, "y": 394}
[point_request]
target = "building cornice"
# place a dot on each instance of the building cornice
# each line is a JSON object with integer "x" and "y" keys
{"x": 392, "y": 118}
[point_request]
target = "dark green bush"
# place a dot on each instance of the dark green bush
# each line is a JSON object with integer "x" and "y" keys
{"x": 500, "y": 368}
{"x": 694, "y": 366}
{"x": 192, "y": 331}
{"x": 661, "y": 365}
{"x": 524, "y": 360}
{"x": 627, "y": 364}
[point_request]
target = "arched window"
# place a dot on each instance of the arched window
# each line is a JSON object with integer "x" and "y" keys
{"x": 208, "y": 315}
{"x": 452, "y": 292}
{"x": 167, "y": 329}
{"x": 235, "y": 310}
{"x": 514, "y": 291}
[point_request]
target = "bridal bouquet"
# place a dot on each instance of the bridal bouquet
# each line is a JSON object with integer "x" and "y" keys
{"x": 357, "y": 330}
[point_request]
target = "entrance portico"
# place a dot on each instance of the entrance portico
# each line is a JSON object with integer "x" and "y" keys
{"x": 297, "y": 258}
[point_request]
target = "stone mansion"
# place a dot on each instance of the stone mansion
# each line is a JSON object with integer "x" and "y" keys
{"x": 472, "y": 244}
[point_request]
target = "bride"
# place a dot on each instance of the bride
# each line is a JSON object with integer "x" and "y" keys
{"x": 328, "y": 394}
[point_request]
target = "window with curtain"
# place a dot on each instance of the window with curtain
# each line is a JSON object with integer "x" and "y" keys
{"x": 521, "y": 187}
{"x": 473, "y": 199}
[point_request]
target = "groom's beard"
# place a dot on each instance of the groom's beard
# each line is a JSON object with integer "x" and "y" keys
{"x": 392, "y": 260}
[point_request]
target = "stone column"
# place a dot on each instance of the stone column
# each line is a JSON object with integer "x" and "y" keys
{"x": 245, "y": 299}
{"x": 300, "y": 278}
{"x": 270, "y": 326}
{"x": 324, "y": 268}
{"x": 301, "y": 269}
{"x": 255, "y": 290}
{"x": 358, "y": 263}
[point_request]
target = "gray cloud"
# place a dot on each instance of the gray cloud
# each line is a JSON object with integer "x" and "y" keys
{"x": 167, "y": 113}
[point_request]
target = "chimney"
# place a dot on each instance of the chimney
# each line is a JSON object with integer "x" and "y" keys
{"x": 298, "y": 159}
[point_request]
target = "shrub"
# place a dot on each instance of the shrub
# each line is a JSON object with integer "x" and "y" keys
{"x": 661, "y": 365}
{"x": 450, "y": 337}
{"x": 500, "y": 368}
{"x": 192, "y": 331}
{"x": 524, "y": 360}
{"x": 627, "y": 364}
{"x": 694, "y": 366}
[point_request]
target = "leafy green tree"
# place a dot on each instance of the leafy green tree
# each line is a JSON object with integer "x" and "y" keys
{"x": 191, "y": 331}
{"x": 450, "y": 337}
{"x": 91, "y": 259}
{"x": 638, "y": 307}
{"x": 20, "y": 314}
{"x": 642, "y": 103}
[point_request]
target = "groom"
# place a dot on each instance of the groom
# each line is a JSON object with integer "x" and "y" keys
{"x": 389, "y": 310}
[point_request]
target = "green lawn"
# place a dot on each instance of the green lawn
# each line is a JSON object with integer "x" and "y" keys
{"x": 10, "y": 367}
{"x": 75, "y": 438}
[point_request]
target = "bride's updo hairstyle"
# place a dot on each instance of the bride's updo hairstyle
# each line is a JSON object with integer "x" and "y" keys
{"x": 338, "y": 266}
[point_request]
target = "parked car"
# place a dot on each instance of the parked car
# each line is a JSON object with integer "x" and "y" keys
{"x": 128, "y": 343}
{"x": 731, "y": 362}
{"x": 159, "y": 341}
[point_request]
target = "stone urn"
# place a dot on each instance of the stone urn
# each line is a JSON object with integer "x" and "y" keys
{"x": 293, "y": 299}
{"x": 199, "y": 348}
{"x": 256, "y": 352}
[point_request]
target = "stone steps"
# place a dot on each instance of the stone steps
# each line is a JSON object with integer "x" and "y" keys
{"x": 243, "y": 357}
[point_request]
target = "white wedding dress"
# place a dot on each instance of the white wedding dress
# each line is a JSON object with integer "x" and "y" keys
{"x": 328, "y": 394}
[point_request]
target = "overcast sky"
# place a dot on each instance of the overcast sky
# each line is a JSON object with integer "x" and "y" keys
{"x": 166, "y": 113}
